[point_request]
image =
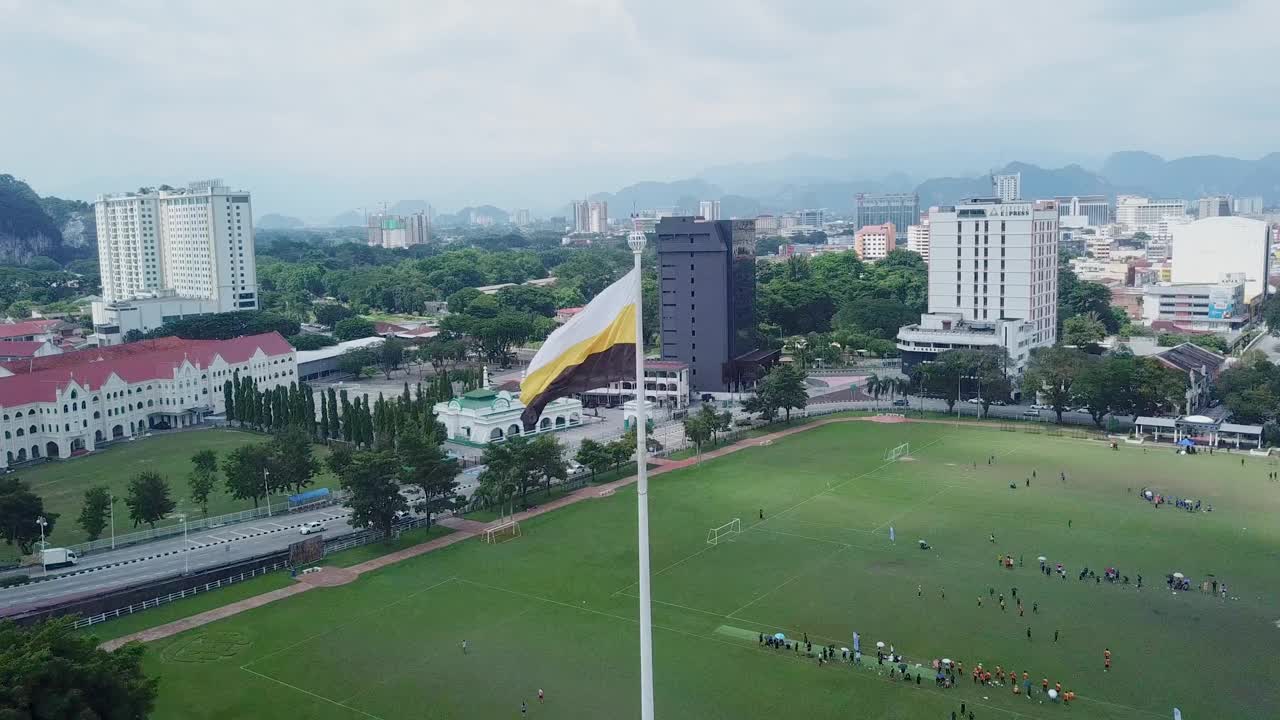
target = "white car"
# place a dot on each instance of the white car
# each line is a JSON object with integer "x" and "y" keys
{"x": 314, "y": 526}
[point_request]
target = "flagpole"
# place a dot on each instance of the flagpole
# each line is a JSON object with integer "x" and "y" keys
{"x": 636, "y": 241}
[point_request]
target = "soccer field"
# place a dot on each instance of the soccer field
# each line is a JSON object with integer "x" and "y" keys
{"x": 555, "y": 608}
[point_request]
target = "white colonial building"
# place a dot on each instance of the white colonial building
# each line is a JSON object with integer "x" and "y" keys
{"x": 666, "y": 382}
{"x": 64, "y": 405}
{"x": 483, "y": 415}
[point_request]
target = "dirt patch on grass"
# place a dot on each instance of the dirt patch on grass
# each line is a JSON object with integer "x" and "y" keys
{"x": 329, "y": 577}
{"x": 886, "y": 419}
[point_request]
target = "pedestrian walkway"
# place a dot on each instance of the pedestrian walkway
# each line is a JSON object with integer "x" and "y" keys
{"x": 463, "y": 529}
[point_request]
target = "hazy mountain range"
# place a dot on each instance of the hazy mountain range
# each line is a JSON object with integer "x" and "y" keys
{"x": 799, "y": 181}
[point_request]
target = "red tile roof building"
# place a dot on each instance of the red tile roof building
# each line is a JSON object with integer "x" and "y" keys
{"x": 55, "y": 405}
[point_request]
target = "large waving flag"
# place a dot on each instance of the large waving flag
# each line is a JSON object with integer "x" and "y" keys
{"x": 596, "y": 347}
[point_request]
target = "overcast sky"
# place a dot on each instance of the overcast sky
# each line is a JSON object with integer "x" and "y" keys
{"x": 319, "y": 107}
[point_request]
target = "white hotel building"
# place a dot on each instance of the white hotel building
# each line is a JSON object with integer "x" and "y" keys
{"x": 172, "y": 253}
{"x": 1140, "y": 214}
{"x": 918, "y": 240}
{"x": 993, "y": 280}
{"x": 64, "y": 405}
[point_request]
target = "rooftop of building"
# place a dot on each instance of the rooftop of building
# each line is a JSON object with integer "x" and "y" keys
{"x": 28, "y": 327}
{"x": 22, "y": 348}
{"x": 39, "y": 379}
{"x": 1187, "y": 357}
{"x": 308, "y": 356}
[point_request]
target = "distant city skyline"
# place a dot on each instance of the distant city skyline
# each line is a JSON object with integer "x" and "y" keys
{"x": 490, "y": 108}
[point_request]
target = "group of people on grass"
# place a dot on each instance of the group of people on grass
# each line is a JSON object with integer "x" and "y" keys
{"x": 1188, "y": 504}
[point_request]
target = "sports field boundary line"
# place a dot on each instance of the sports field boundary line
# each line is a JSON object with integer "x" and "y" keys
{"x": 331, "y": 701}
{"x": 709, "y": 638}
{"x": 804, "y": 571}
{"x": 350, "y": 622}
{"x": 820, "y": 493}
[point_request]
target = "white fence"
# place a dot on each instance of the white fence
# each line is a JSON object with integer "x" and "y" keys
{"x": 166, "y": 599}
{"x": 201, "y": 524}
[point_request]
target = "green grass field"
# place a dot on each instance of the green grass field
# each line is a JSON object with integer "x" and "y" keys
{"x": 555, "y": 609}
{"x": 62, "y": 482}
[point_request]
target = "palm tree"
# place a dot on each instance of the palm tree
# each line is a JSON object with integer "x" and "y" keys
{"x": 875, "y": 386}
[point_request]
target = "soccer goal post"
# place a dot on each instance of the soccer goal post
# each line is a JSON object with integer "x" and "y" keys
{"x": 502, "y": 532}
{"x": 900, "y": 451}
{"x": 729, "y": 529}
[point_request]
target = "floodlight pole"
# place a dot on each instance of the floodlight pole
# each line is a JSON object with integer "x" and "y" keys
{"x": 636, "y": 241}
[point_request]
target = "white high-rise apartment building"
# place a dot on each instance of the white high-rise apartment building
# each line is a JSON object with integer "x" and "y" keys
{"x": 1220, "y": 248}
{"x": 598, "y": 217}
{"x": 128, "y": 245}
{"x": 206, "y": 243}
{"x": 709, "y": 209}
{"x": 918, "y": 240}
{"x": 1007, "y": 187}
{"x": 1144, "y": 214}
{"x": 993, "y": 280}
{"x": 171, "y": 253}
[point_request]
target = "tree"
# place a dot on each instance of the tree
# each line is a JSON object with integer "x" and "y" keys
{"x": 339, "y": 458}
{"x": 354, "y": 328}
{"x": 1052, "y": 373}
{"x": 133, "y": 336}
{"x": 697, "y": 431}
{"x": 95, "y": 511}
{"x": 19, "y": 508}
{"x": 148, "y": 498}
{"x": 304, "y": 341}
{"x": 460, "y": 300}
{"x": 390, "y": 355}
{"x": 224, "y": 326}
{"x": 52, "y": 670}
{"x": 783, "y": 389}
{"x": 760, "y": 405}
{"x": 1083, "y": 331}
{"x": 204, "y": 477}
{"x": 544, "y": 461}
{"x": 245, "y": 471}
{"x": 443, "y": 352}
{"x": 292, "y": 464}
{"x": 424, "y": 464}
{"x": 594, "y": 457}
{"x": 375, "y": 498}
{"x": 500, "y": 480}
{"x": 330, "y": 314}
{"x": 355, "y": 360}
{"x": 1098, "y": 386}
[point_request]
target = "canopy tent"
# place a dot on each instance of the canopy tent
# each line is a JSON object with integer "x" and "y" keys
{"x": 1198, "y": 428}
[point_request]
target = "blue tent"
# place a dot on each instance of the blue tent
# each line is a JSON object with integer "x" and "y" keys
{"x": 1186, "y": 442}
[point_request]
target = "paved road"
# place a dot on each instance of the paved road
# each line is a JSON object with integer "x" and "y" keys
{"x": 164, "y": 558}
{"x": 1270, "y": 345}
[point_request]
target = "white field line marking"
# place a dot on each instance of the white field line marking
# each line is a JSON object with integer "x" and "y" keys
{"x": 708, "y": 638}
{"x": 308, "y": 692}
{"x": 779, "y": 514}
{"x": 409, "y": 668}
{"x": 353, "y": 620}
{"x": 788, "y": 581}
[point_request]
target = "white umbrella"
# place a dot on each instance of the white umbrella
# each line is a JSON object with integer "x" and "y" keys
{"x": 1179, "y": 575}
{"x": 879, "y": 646}
{"x": 779, "y": 636}
{"x": 1053, "y": 694}
{"x": 946, "y": 662}
{"x": 1042, "y": 558}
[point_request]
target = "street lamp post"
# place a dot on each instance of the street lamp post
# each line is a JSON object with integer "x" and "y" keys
{"x": 186, "y": 556}
{"x": 266, "y": 489}
{"x": 112, "y": 505}
{"x": 42, "y": 523}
